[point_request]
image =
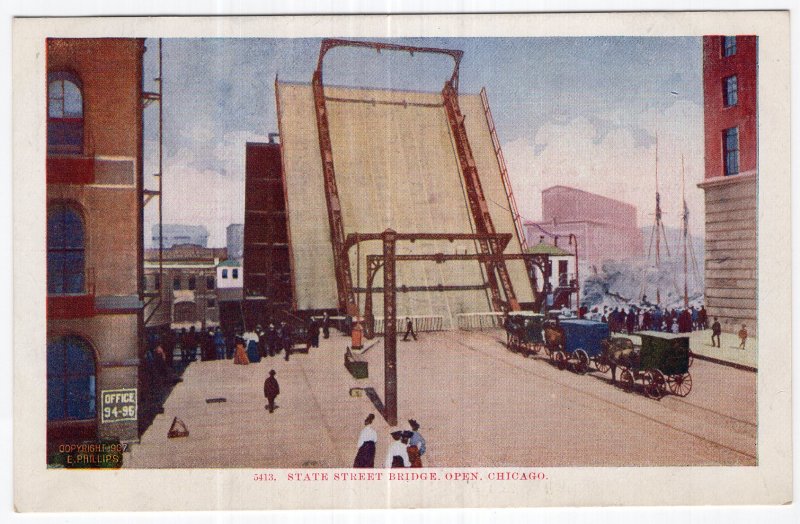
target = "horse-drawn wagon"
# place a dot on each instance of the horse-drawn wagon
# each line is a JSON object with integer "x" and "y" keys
{"x": 574, "y": 343}
{"x": 660, "y": 364}
{"x": 524, "y": 332}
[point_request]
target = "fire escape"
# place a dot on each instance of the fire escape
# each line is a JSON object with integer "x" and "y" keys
{"x": 153, "y": 298}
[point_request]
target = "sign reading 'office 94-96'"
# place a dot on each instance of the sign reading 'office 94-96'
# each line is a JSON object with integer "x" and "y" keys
{"x": 118, "y": 405}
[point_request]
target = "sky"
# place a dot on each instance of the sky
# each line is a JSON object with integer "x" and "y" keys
{"x": 580, "y": 111}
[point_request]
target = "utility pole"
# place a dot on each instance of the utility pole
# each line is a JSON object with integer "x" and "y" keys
{"x": 389, "y": 326}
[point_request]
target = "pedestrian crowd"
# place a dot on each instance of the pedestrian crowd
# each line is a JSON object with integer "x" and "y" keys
{"x": 405, "y": 450}
{"x": 649, "y": 318}
{"x": 243, "y": 347}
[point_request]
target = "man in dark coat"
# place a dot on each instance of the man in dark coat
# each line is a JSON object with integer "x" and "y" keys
{"x": 286, "y": 339}
{"x": 271, "y": 391}
{"x": 326, "y": 325}
{"x": 409, "y": 329}
{"x": 630, "y": 321}
{"x": 273, "y": 341}
{"x": 716, "y": 331}
{"x": 313, "y": 333}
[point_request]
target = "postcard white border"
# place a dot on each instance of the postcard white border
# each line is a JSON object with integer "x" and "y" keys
{"x": 39, "y": 489}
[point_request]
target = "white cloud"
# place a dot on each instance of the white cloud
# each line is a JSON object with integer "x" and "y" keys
{"x": 616, "y": 165}
{"x": 205, "y": 196}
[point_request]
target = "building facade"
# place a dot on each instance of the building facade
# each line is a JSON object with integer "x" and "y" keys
{"x": 177, "y": 234}
{"x": 605, "y": 229}
{"x": 731, "y": 173}
{"x": 94, "y": 238}
{"x": 187, "y": 287}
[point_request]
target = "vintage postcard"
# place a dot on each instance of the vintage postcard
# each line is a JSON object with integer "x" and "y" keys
{"x": 405, "y": 261}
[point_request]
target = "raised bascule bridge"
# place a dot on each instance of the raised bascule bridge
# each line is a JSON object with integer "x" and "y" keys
{"x": 396, "y": 204}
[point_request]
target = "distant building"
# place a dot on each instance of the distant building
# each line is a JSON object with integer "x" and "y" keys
{"x": 94, "y": 238}
{"x": 230, "y": 280}
{"x": 188, "y": 292}
{"x": 176, "y": 234}
{"x": 235, "y": 240}
{"x": 731, "y": 153}
{"x": 605, "y": 229}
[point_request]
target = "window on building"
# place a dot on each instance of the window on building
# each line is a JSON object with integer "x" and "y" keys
{"x": 224, "y": 273}
{"x": 728, "y": 45}
{"x": 176, "y": 283}
{"x": 192, "y": 283}
{"x": 209, "y": 282}
{"x": 64, "y": 114}
{"x": 65, "y": 251}
{"x": 235, "y": 273}
{"x": 730, "y": 147}
{"x": 211, "y": 303}
{"x": 730, "y": 91}
{"x": 70, "y": 379}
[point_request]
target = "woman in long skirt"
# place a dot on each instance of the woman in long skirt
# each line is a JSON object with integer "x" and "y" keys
{"x": 240, "y": 355}
{"x": 365, "y": 458}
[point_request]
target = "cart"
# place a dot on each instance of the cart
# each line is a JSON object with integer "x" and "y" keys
{"x": 574, "y": 343}
{"x": 524, "y": 332}
{"x": 660, "y": 365}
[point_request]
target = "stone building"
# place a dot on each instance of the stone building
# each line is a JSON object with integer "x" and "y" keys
{"x": 605, "y": 229}
{"x": 188, "y": 292}
{"x": 94, "y": 238}
{"x": 731, "y": 175}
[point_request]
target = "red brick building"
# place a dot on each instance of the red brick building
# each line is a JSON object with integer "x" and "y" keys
{"x": 94, "y": 237}
{"x": 730, "y": 65}
{"x": 606, "y": 229}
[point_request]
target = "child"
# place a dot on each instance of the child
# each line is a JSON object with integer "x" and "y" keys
{"x": 742, "y": 336}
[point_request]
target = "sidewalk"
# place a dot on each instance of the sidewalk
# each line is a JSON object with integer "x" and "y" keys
{"x": 728, "y": 354}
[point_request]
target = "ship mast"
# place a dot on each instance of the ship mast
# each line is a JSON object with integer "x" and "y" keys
{"x": 685, "y": 239}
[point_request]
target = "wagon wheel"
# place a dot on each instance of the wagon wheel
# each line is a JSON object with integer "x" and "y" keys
{"x": 582, "y": 366}
{"x": 535, "y": 348}
{"x": 560, "y": 359}
{"x": 654, "y": 384}
{"x": 601, "y": 364}
{"x": 626, "y": 380}
{"x": 680, "y": 385}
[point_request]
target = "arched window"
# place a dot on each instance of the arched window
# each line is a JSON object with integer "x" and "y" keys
{"x": 65, "y": 251}
{"x": 64, "y": 114}
{"x": 70, "y": 379}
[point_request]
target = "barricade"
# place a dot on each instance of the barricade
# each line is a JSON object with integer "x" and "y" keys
{"x": 479, "y": 321}
{"x": 422, "y": 324}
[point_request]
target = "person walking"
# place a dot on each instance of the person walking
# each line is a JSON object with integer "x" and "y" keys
{"x": 416, "y": 445}
{"x": 271, "y": 391}
{"x": 409, "y": 330}
{"x": 702, "y": 318}
{"x": 219, "y": 343}
{"x": 286, "y": 340}
{"x": 716, "y": 331}
{"x": 630, "y": 321}
{"x": 397, "y": 454}
{"x": 743, "y": 336}
{"x": 326, "y": 325}
{"x": 367, "y": 440}
{"x": 240, "y": 354}
{"x": 273, "y": 341}
{"x": 313, "y": 333}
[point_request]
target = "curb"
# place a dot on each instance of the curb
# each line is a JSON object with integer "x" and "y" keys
{"x": 725, "y": 363}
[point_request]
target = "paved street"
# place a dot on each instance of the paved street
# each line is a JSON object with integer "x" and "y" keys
{"x": 478, "y": 405}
